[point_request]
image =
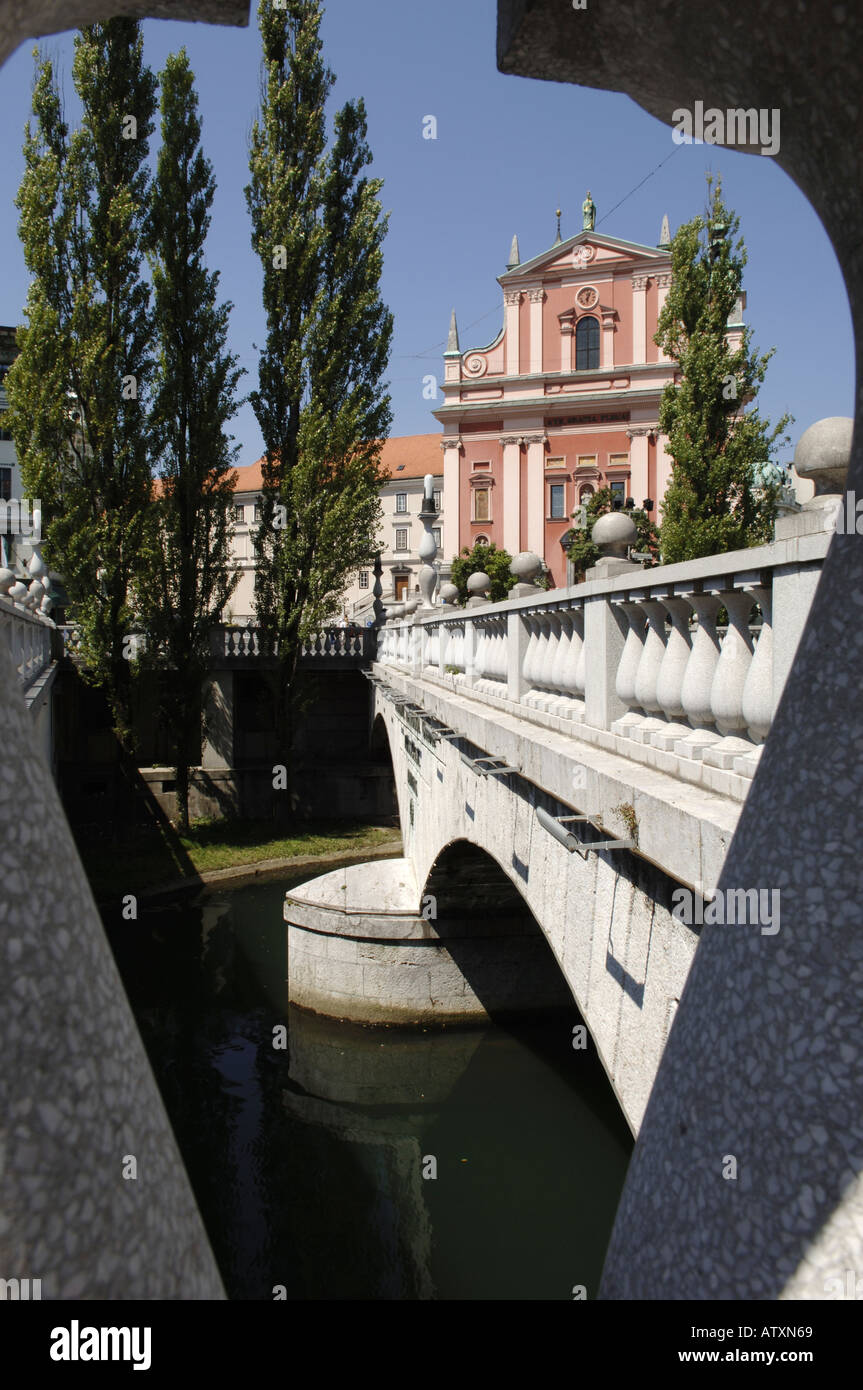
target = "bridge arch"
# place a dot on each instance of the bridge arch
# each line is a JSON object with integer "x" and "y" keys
{"x": 486, "y": 926}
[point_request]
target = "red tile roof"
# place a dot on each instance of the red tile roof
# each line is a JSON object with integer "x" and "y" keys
{"x": 418, "y": 453}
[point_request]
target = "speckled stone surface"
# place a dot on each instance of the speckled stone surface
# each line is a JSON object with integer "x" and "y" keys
{"x": 28, "y": 19}
{"x": 76, "y": 1091}
{"x": 765, "y": 1059}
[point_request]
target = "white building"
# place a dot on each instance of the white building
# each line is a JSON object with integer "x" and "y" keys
{"x": 406, "y": 460}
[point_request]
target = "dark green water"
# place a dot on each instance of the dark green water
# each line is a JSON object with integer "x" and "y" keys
{"x": 307, "y": 1162}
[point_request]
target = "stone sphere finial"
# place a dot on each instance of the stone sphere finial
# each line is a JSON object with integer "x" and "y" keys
{"x": 448, "y": 594}
{"x": 477, "y": 588}
{"x": 823, "y": 452}
{"x": 526, "y": 566}
{"x": 7, "y": 579}
{"x": 614, "y": 533}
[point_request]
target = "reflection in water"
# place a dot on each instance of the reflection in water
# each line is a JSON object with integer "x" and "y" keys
{"x": 308, "y": 1162}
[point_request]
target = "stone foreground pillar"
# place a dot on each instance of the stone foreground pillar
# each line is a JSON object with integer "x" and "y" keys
{"x": 39, "y": 17}
{"x": 764, "y": 1064}
{"x": 77, "y": 1098}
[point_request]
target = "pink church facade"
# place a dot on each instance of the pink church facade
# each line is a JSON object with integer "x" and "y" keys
{"x": 564, "y": 401}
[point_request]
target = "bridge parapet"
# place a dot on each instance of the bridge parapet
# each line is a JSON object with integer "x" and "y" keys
{"x": 31, "y": 643}
{"x": 637, "y": 662}
{"x": 332, "y": 647}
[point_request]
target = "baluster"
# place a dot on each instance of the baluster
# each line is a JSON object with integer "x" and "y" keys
{"x": 501, "y": 653}
{"x": 697, "y": 682}
{"x": 572, "y": 668}
{"x": 758, "y": 690}
{"x": 460, "y": 649}
{"x": 534, "y": 658}
{"x": 729, "y": 680}
{"x": 548, "y": 697}
{"x": 647, "y": 675}
{"x": 581, "y": 667}
{"x": 479, "y": 656}
{"x": 530, "y": 654}
{"x": 559, "y": 666}
{"x": 669, "y": 682}
{"x": 627, "y": 670}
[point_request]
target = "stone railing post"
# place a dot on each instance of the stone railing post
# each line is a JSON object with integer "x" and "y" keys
{"x": 418, "y": 640}
{"x": 470, "y": 636}
{"x": 604, "y": 639}
{"x": 604, "y": 624}
{"x": 517, "y": 638}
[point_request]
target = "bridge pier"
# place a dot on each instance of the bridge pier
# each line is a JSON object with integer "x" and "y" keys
{"x": 365, "y": 943}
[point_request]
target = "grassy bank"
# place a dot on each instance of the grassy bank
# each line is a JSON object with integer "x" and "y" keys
{"x": 160, "y": 856}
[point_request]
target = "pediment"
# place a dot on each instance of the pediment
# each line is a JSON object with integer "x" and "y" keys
{"x": 582, "y": 252}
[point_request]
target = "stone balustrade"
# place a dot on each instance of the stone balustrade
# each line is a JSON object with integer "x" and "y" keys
{"x": 636, "y": 661}
{"x": 29, "y": 637}
{"x": 348, "y": 646}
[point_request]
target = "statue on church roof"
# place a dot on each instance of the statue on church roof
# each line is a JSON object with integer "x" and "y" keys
{"x": 588, "y": 209}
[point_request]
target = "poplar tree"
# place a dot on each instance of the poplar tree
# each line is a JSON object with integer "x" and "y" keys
{"x": 187, "y": 577}
{"x": 318, "y": 228}
{"x": 77, "y": 390}
{"x": 717, "y": 499}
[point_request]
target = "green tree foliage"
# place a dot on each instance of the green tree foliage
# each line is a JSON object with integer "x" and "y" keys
{"x": 187, "y": 578}
{"x": 483, "y": 559}
{"x": 716, "y": 500}
{"x": 78, "y": 388}
{"x": 318, "y": 228}
{"x": 582, "y": 551}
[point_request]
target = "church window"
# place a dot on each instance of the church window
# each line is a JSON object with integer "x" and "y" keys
{"x": 587, "y": 344}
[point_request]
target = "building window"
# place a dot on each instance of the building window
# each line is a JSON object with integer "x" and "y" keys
{"x": 555, "y": 463}
{"x": 482, "y": 463}
{"x": 618, "y": 490}
{"x": 481, "y": 504}
{"x": 437, "y": 497}
{"x": 435, "y": 530}
{"x": 5, "y": 484}
{"x": 257, "y": 511}
{"x": 587, "y": 344}
{"x": 364, "y": 579}
{"x": 401, "y": 538}
{"x": 557, "y": 501}
{"x": 618, "y": 461}
{"x": 239, "y": 513}
{"x": 401, "y": 501}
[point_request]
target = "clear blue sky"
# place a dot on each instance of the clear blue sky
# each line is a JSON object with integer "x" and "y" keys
{"x": 508, "y": 152}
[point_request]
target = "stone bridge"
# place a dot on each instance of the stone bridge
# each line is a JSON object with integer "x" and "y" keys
{"x": 570, "y": 769}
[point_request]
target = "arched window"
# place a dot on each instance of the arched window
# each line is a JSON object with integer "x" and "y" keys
{"x": 587, "y": 344}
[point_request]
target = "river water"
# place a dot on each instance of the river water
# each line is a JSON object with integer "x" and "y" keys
{"x": 368, "y": 1163}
